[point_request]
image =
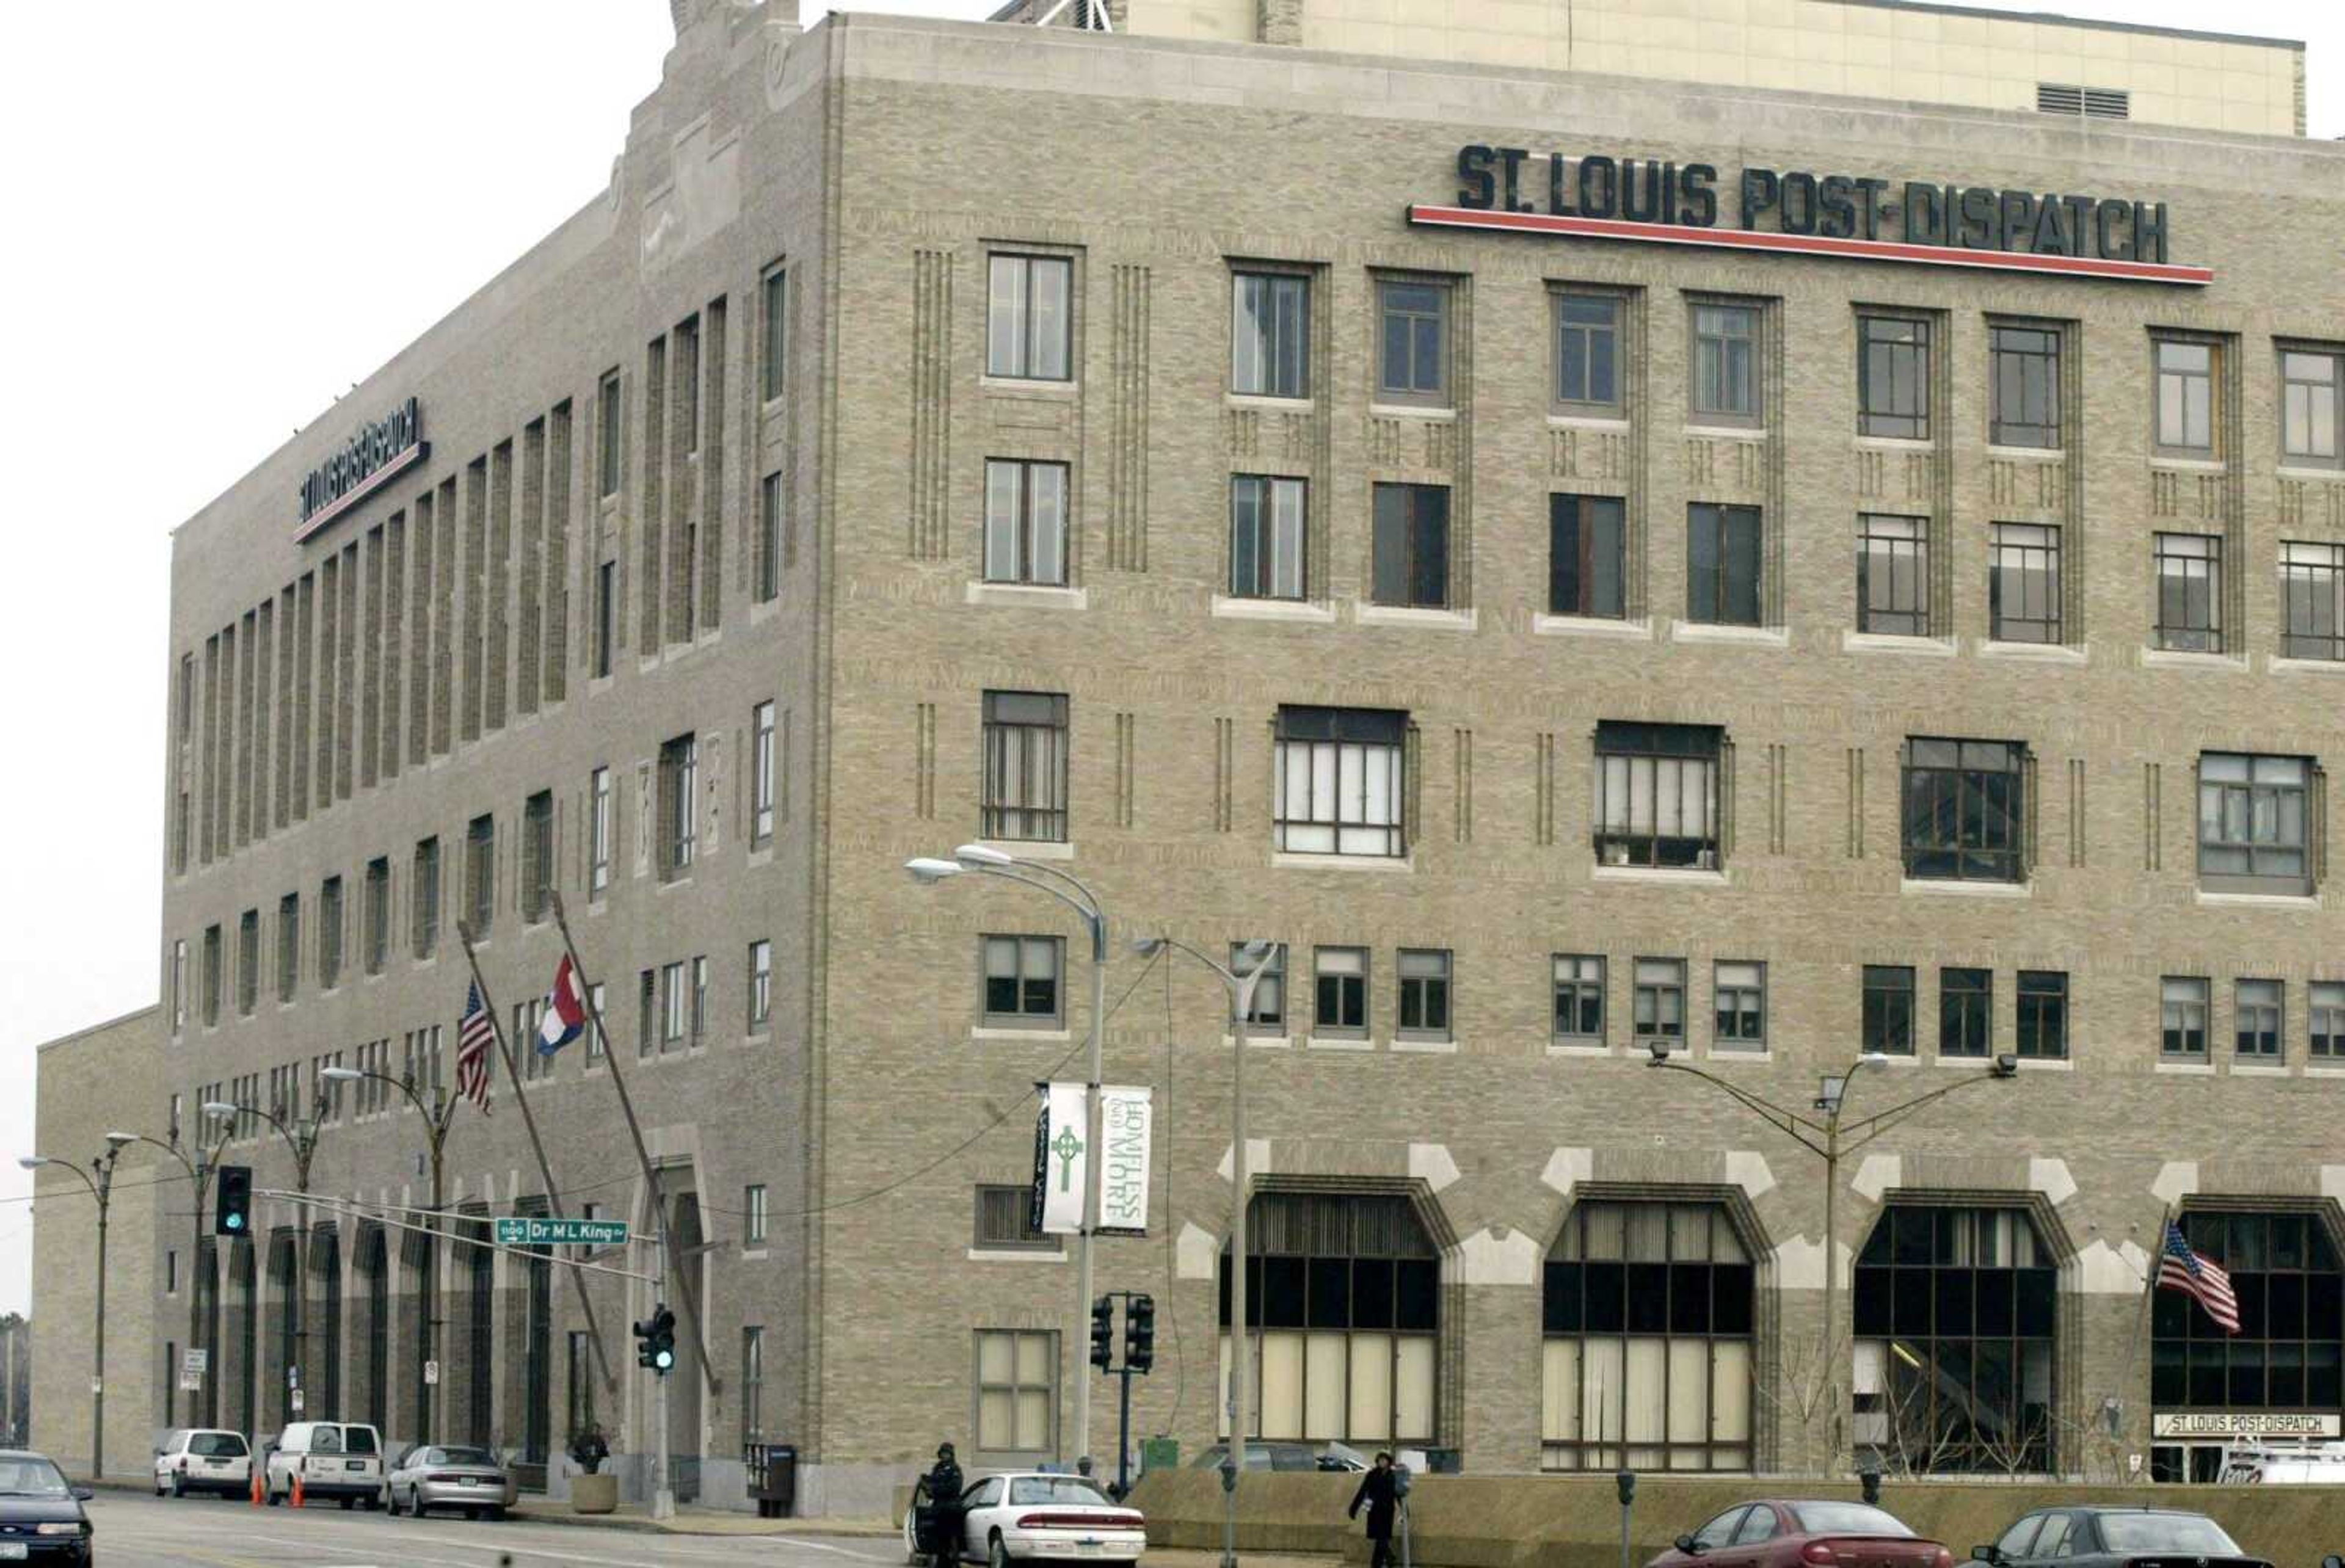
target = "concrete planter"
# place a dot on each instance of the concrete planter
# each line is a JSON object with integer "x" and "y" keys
{"x": 593, "y": 1494}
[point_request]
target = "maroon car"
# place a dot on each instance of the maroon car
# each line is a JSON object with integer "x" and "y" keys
{"x": 1805, "y": 1534}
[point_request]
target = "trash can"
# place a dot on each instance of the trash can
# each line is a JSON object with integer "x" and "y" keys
{"x": 775, "y": 1479}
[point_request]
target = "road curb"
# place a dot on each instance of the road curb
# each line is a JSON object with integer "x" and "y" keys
{"x": 716, "y": 1525}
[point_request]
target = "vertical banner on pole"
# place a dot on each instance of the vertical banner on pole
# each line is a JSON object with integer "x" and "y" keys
{"x": 1062, "y": 1149}
{"x": 1126, "y": 1123}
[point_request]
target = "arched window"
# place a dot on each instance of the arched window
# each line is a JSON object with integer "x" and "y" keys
{"x": 1647, "y": 1314}
{"x": 1956, "y": 1310}
{"x": 481, "y": 1326}
{"x": 1343, "y": 1308}
{"x": 374, "y": 1267}
{"x": 326, "y": 1333}
{"x": 285, "y": 1282}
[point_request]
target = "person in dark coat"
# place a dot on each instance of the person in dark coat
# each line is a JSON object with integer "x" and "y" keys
{"x": 943, "y": 1483}
{"x": 1380, "y": 1491}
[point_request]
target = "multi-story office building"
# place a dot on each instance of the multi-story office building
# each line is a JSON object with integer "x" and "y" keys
{"x": 1592, "y": 568}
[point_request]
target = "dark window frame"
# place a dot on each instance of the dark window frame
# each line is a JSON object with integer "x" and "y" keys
{"x": 2260, "y": 1024}
{"x": 1738, "y": 1009}
{"x": 1657, "y": 991}
{"x": 2288, "y": 1282}
{"x": 1721, "y": 541}
{"x": 1893, "y": 574}
{"x": 2196, "y": 386}
{"x": 1338, "y": 995}
{"x": 2023, "y": 369}
{"x": 2041, "y": 1022}
{"x": 1594, "y": 347}
{"x": 1424, "y": 1001}
{"x": 1400, "y": 302}
{"x": 1270, "y": 338}
{"x": 1266, "y": 509}
{"x": 2186, "y": 569}
{"x": 1635, "y": 765}
{"x": 2020, "y": 554}
{"x": 1026, "y": 337}
{"x": 1965, "y": 1012}
{"x": 1310, "y": 739}
{"x": 1587, "y": 555}
{"x": 1888, "y": 1010}
{"x": 678, "y": 804}
{"x": 1024, "y": 1009}
{"x": 538, "y": 857}
{"x": 2241, "y": 794}
{"x": 1724, "y": 384}
{"x": 1971, "y": 798}
{"x": 997, "y": 1201}
{"x": 1028, "y": 544}
{"x": 2185, "y": 1009}
{"x": 1411, "y": 547}
{"x": 1893, "y": 376}
{"x": 1025, "y": 739}
{"x": 2320, "y": 427}
{"x": 2312, "y": 599}
{"x": 1576, "y": 1013}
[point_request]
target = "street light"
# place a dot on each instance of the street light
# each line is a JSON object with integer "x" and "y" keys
{"x": 1830, "y": 1139}
{"x": 436, "y": 1117}
{"x": 199, "y": 1174}
{"x": 980, "y": 860}
{"x": 1257, "y": 955}
{"x": 101, "y": 1191}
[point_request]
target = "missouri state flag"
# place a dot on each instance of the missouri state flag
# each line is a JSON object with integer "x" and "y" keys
{"x": 566, "y": 1011}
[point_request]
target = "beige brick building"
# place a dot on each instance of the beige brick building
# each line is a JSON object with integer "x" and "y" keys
{"x": 1586, "y": 563}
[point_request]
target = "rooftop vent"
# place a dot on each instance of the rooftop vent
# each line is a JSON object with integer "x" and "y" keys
{"x": 2090, "y": 103}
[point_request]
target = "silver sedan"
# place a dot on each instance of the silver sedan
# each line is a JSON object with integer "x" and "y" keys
{"x": 469, "y": 1480}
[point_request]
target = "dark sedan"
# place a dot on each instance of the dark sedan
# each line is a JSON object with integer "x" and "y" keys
{"x": 2115, "y": 1538}
{"x": 1790, "y": 1534}
{"x": 41, "y": 1517}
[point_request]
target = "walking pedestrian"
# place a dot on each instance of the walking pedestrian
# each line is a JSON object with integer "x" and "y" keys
{"x": 1380, "y": 1492}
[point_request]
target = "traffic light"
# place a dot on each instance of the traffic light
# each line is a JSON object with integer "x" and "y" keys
{"x": 1139, "y": 1334}
{"x": 656, "y": 1340}
{"x": 233, "y": 1217}
{"x": 1103, "y": 1333}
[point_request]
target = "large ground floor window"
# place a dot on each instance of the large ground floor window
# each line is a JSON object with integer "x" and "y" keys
{"x": 1343, "y": 1308}
{"x": 1646, "y": 1360}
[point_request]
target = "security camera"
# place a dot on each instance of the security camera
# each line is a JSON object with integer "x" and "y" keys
{"x": 1661, "y": 1049}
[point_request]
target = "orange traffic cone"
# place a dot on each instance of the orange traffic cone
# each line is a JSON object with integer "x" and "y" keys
{"x": 256, "y": 1488}
{"x": 297, "y": 1489}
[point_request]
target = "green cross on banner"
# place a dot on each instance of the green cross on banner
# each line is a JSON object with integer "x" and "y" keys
{"x": 1068, "y": 1147}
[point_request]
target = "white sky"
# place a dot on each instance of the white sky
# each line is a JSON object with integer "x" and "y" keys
{"x": 226, "y": 214}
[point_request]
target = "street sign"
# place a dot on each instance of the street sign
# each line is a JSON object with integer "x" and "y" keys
{"x": 537, "y": 1230}
{"x": 430, "y": 1373}
{"x": 191, "y": 1382}
{"x": 195, "y": 1362}
{"x": 297, "y": 1401}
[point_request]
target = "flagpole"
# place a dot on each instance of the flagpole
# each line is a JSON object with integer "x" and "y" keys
{"x": 2141, "y": 1318}
{"x": 537, "y": 1147}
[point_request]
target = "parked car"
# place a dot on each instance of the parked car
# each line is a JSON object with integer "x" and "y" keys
{"x": 338, "y": 1460}
{"x": 451, "y": 1475}
{"x": 2273, "y": 1464}
{"x": 1021, "y": 1514}
{"x": 41, "y": 1516}
{"x": 1330, "y": 1456}
{"x": 203, "y": 1459}
{"x": 1792, "y": 1532}
{"x": 2101, "y": 1537}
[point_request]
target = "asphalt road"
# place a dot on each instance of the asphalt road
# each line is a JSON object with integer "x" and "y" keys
{"x": 135, "y": 1531}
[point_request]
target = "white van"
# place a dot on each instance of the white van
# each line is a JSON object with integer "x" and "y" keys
{"x": 201, "y": 1460}
{"x": 2284, "y": 1463}
{"x": 341, "y": 1460}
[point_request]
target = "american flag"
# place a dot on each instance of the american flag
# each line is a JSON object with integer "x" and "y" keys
{"x": 475, "y": 1032}
{"x": 2198, "y": 1277}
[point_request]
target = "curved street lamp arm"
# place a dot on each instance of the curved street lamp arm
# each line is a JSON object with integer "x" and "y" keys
{"x": 1093, "y": 918}
{"x": 1047, "y": 869}
{"x": 172, "y": 1149}
{"x": 1857, "y": 1134}
{"x": 79, "y": 1174}
{"x": 1788, "y": 1122}
{"x": 1228, "y": 976}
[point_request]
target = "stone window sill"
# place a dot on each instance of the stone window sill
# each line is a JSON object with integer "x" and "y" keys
{"x": 2046, "y": 1064}
{"x": 1854, "y": 641}
{"x": 1609, "y": 423}
{"x": 1017, "y": 1254}
{"x": 1030, "y": 848}
{"x": 1913, "y": 885}
{"x": 1337, "y": 1043}
{"x": 1747, "y": 636}
{"x": 2185, "y": 1069}
{"x": 1411, "y": 615}
{"x": 2257, "y": 1071}
{"x": 2180, "y": 659}
{"x": 2283, "y": 666}
{"x": 1565, "y": 1049}
{"x": 2027, "y": 454}
{"x": 1865, "y": 443}
{"x": 1292, "y": 861}
{"x": 1637, "y": 630}
{"x": 1429, "y": 1047}
{"x": 2039, "y": 652}
{"x": 1230, "y": 607}
{"x": 1028, "y": 596}
{"x": 1029, "y": 386}
{"x": 1262, "y": 1042}
{"x": 1040, "y": 1036}
{"x": 1662, "y": 875}
{"x": 1439, "y": 414}
{"x": 2259, "y": 900}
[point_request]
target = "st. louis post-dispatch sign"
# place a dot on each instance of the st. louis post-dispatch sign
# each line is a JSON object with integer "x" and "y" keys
{"x": 1796, "y": 212}
{"x": 2314, "y": 1426}
{"x": 375, "y": 451}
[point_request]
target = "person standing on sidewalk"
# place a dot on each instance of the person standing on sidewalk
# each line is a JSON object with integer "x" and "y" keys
{"x": 1380, "y": 1492}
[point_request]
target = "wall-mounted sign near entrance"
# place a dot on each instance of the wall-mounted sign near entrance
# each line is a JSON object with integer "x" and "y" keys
{"x": 373, "y": 453}
{"x": 1856, "y": 218}
{"x": 2306, "y": 1424}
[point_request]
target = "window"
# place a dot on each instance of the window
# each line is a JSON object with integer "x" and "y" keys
{"x": 330, "y": 933}
{"x": 595, "y": 1044}
{"x": 178, "y": 986}
{"x": 687, "y": 384}
{"x": 761, "y": 775}
{"x": 1029, "y": 323}
{"x": 1340, "y": 1008}
{"x": 648, "y": 1013}
{"x": 612, "y": 432}
{"x": 1965, "y": 810}
{"x": 769, "y": 538}
{"x": 1657, "y": 794}
{"x": 288, "y": 945}
{"x": 761, "y": 986}
{"x": 1587, "y": 352}
{"x": 1025, "y": 523}
{"x": 1888, "y": 1023}
{"x": 1660, "y": 999}
{"x": 537, "y": 856}
{"x": 1722, "y": 564}
{"x": 1025, "y": 746}
{"x": 2043, "y": 1015}
{"x": 248, "y": 961}
{"x": 480, "y": 874}
{"x": 1646, "y": 1319}
{"x": 2329, "y": 1018}
{"x": 1956, "y": 1314}
{"x": 606, "y": 613}
{"x": 1413, "y": 364}
{"x": 753, "y": 1383}
{"x": 2311, "y": 412}
{"x": 1424, "y": 993}
{"x": 210, "y": 988}
{"x": 598, "y": 832}
{"x": 672, "y": 1005}
{"x": 1266, "y": 1009}
{"x": 1021, "y": 982}
{"x": 2186, "y": 397}
{"x": 1739, "y": 991}
{"x": 1966, "y": 1012}
{"x": 1341, "y": 778}
{"x": 2023, "y": 387}
{"x": 2312, "y": 601}
{"x": 2022, "y": 585}
{"x": 1269, "y": 535}
{"x": 2182, "y": 1016}
{"x": 2190, "y": 592}
{"x": 1579, "y": 979}
{"x": 1893, "y": 377}
{"x": 1412, "y": 546}
{"x": 2285, "y": 1275}
{"x": 699, "y": 999}
{"x": 1005, "y": 1221}
{"x": 375, "y": 918}
{"x": 772, "y": 298}
{"x": 1270, "y": 334}
{"x": 2256, "y": 1008}
{"x": 1016, "y": 1391}
{"x": 1586, "y": 560}
{"x": 753, "y": 1215}
{"x": 679, "y": 793}
{"x": 1726, "y": 363}
{"x": 1893, "y": 575}
{"x": 2254, "y": 820}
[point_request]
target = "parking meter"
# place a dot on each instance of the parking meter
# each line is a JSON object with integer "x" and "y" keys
{"x": 1626, "y": 1480}
{"x": 1400, "y": 1480}
{"x": 1228, "y": 1473}
{"x": 1872, "y": 1480}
